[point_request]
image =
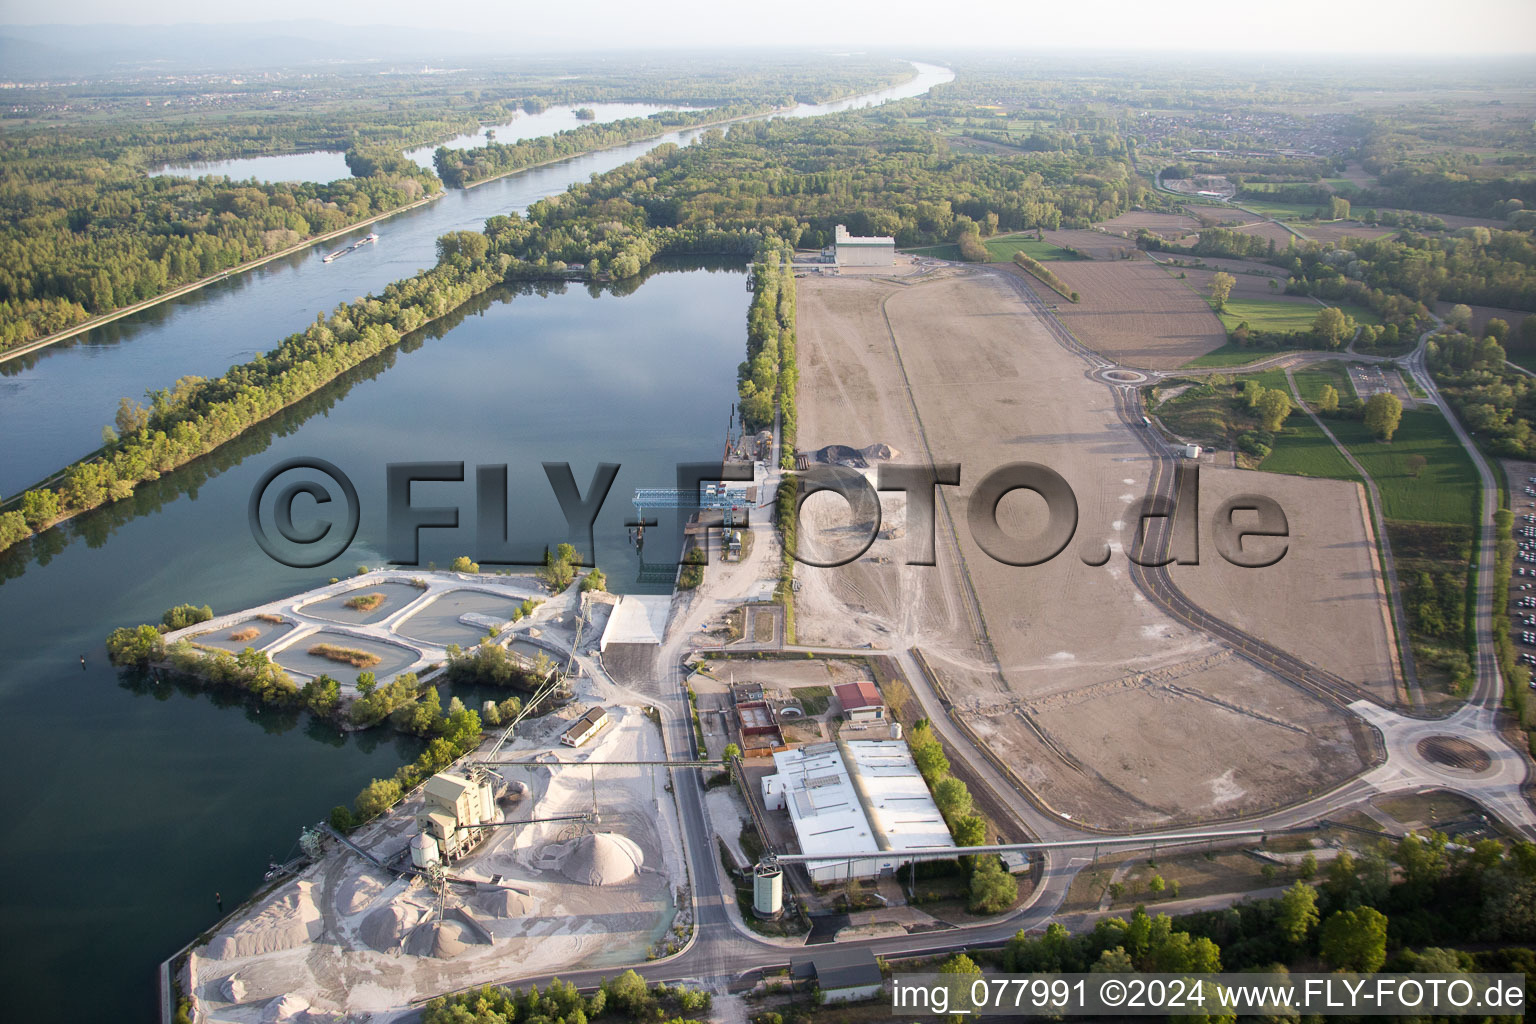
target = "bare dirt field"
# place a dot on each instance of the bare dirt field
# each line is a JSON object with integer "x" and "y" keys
{"x": 1323, "y": 601}
{"x": 1482, "y": 314}
{"x": 1202, "y": 740}
{"x": 990, "y": 387}
{"x": 1238, "y": 268}
{"x": 1223, "y": 216}
{"x": 1169, "y": 225}
{"x": 1097, "y": 244}
{"x": 1134, "y": 312}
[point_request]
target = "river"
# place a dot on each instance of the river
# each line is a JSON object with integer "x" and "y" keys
{"x": 60, "y": 397}
{"x": 133, "y": 802}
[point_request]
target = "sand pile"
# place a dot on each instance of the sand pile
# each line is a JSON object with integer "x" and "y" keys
{"x": 286, "y": 1008}
{"x": 285, "y": 923}
{"x": 602, "y": 858}
{"x": 357, "y": 893}
{"x": 385, "y": 929}
{"x": 503, "y": 903}
{"x": 441, "y": 939}
{"x": 234, "y": 989}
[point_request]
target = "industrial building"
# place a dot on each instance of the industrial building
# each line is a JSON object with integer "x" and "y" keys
{"x": 584, "y": 728}
{"x": 870, "y": 251}
{"x": 861, "y": 802}
{"x": 449, "y": 825}
{"x": 860, "y": 701}
{"x": 841, "y": 975}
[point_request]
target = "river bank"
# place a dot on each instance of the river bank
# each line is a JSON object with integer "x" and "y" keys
{"x": 192, "y": 286}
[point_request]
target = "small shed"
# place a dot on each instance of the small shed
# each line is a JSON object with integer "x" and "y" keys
{"x": 842, "y": 975}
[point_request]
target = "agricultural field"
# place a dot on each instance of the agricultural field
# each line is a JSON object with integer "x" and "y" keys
{"x": 1132, "y": 311}
{"x": 1302, "y": 449}
{"x": 1233, "y": 354}
{"x": 1001, "y": 248}
{"x": 1482, "y": 314}
{"x": 1279, "y": 210}
{"x": 1270, "y": 231}
{"x": 1339, "y": 232}
{"x": 1445, "y": 491}
{"x": 1284, "y": 314}
{"x": 1248, "y": 285}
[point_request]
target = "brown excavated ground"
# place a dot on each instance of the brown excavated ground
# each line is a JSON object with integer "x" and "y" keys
{"x": 1111, "y": 711}
{"x": 1324, "y": 600}
{"x": 1134, "y": 312}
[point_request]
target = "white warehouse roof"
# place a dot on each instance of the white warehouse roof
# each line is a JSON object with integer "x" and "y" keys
{"x": 895, "y": 795}
{"x": 875, "y": 802}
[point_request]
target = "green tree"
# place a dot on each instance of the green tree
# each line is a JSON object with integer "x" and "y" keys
{"x": 1298, "y": 913}
{"x": 1460, "y": 316}
{"x": 463, "y": 564}
{"x": 969, "y": 830}
{"x": 376, "y": 798}
{"x": 39, "y": 508}
{"x": 131, "y": 417}
{"x": 137, "y": 646}
{"x": 1339, "y": 208}
{"x": 1273, "y": 407}
{"x": 594, "y": 580}
{"x": 1355, "y": 940}
{"x": 1221, "y": 288}
{"x": 1383, "y": 412}
{"x": 1332, "y": 326}
{"x": 952, "y": 797}
{"x": 993, "y": 889}
{"x": 341, "y": 818}
{"x": 1328, "y": 401}
{"x": 366, "y": 682}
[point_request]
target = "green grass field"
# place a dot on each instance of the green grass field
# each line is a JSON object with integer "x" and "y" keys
{"x": 1002, "y": 248}
{"x": 1236, "y": 355}
{"x": 1310, "y": 381}
{"x": 1283, "y": 316}
{"x": 1446, "y": 491}
{"x": 1280, "y": 211}
{"x": 1302, "y": 449}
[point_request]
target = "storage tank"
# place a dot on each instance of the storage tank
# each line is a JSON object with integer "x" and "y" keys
{"x": 487, "y": 802}
{"x": 767, "y": 890}
{"x": 423, "y": 850}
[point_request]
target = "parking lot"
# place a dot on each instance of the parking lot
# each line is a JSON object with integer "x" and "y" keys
{"x": 1370, "y": 378}
{"x": 1522, "y": 596}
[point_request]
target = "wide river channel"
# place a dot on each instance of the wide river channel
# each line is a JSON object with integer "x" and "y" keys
{"x": 132, "y": 804}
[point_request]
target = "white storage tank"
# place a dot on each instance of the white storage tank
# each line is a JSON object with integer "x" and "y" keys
{"x": 487, "y": 802}
{"x": 423, "y": 850}
{"x": 767, "y": 890}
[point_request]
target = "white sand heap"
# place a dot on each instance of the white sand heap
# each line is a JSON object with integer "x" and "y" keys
{"x": 358, "y": 892}
{"x": 234, "y": 989}
{"x": 285, "y": 923}
{"x": 503, "y": 903}
{"x": 286, "y": 1008}
{"x": 447, "y": 936}
{"x": 385, "y": 929}
{"x": 602, "y": 858}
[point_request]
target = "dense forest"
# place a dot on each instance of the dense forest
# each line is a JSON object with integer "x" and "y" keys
{"x": 83, "y": 237}
{"x": 88, "y": 229}
{"x": 466, "y": 166}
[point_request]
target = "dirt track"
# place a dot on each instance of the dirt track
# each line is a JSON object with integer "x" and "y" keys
{"x": 1078, "y": 649}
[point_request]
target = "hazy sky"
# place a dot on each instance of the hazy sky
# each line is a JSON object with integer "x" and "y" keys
{"x": 1295, "y": 26}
